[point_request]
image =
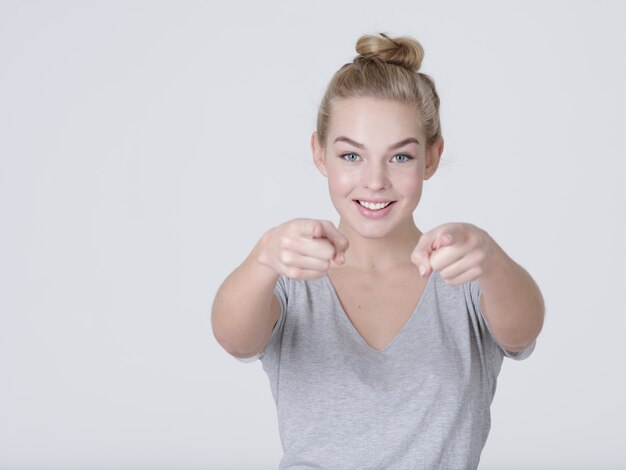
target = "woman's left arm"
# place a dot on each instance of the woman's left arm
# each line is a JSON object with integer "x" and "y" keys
{"x": 510, "y": 299}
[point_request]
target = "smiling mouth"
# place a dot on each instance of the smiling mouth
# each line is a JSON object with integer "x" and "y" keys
{"x": 374, "y": 206}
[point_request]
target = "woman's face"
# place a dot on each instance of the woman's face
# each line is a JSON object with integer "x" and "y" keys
{"x": 375, "y": 154}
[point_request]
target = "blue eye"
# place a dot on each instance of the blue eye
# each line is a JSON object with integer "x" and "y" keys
{"x": 406, "y": 157}
{"x": 348, "y": 155}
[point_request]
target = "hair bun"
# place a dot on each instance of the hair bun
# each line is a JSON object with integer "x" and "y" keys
{"x": 403, "y": 51}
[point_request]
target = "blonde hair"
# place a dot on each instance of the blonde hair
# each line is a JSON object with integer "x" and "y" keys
{"x": 385, "y": 68}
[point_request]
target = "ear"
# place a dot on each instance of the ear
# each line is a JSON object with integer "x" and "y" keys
{"x": 433, "y": 156}
{"x": 318, "y": 154}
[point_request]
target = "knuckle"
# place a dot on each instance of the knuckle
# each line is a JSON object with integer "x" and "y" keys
{"x": 313, "y": 275}
{"x": 286, "y": 257}
{"x": 293, "y": 272}
{"x": 296, "y": 224}
{"x": 284, "y": 241}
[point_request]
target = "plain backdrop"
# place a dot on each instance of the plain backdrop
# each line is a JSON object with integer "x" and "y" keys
{"x": 145, "y": 147}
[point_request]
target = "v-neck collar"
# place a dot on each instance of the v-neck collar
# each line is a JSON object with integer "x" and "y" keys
{"x": 350, "y": 326}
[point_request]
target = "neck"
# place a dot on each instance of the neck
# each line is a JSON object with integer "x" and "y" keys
{"x": 377, "y": 255}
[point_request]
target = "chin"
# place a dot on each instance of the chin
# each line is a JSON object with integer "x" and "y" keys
{"x": 371, "y": 232}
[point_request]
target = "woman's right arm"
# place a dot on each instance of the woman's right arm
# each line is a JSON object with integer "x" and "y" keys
{"x": 245, "y": 308}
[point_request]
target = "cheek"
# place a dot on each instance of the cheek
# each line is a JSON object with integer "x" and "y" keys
{"x": 341, "y": 182}
{"x": 410, "y": 182}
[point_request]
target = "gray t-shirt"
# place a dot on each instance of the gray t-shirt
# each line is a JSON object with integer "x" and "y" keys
{"x": 420, "y": 403}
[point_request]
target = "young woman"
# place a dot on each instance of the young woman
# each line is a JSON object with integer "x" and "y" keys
{"x": 382, "y": 344}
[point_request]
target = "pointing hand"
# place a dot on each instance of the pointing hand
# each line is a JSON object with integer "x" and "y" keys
{"x": 303, "y": 248}
{"x": 459, "y": 252}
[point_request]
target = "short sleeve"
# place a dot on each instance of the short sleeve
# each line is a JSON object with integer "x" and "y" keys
{"x": 475, "y": 291}
{"x": 280, "y": 291}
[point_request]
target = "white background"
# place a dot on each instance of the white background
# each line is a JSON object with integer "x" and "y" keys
{"x": 146, "y": 146}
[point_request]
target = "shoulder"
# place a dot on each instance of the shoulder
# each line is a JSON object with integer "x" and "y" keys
{"x": 288, "y": 287}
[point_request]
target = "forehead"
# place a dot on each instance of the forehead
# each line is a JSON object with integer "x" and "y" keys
{"x": 374, "y": 119}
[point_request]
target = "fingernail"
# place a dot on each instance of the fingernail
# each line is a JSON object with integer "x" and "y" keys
{"x": 422, "y": 270}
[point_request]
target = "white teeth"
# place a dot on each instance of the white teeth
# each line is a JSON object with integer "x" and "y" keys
{"x": 374, "y": 206}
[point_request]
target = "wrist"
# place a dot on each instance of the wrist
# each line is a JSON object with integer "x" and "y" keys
{"x": 259, "y": 255}
{"x": 496, "y": 260}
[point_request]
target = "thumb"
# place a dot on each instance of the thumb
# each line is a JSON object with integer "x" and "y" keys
{"x": 420, "y": 256}
{"x": 318, "y": 230}
{"x": 443, "y": 239}
{"x": 338, "y": 240}
{"x": 426, "y": 246}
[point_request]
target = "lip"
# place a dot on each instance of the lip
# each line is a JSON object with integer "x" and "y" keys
{"x": 365, "y": 212}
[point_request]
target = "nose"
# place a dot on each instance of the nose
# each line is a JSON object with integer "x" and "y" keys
{"x": 376, "y": 177}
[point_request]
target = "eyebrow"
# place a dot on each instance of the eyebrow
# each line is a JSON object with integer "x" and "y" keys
{"x": 395, "y": 146}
